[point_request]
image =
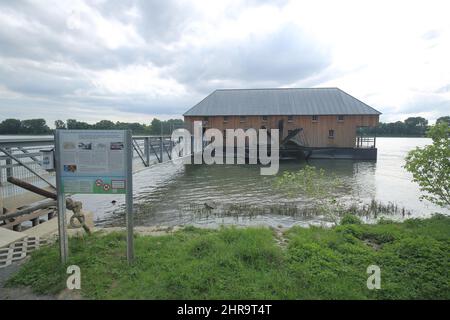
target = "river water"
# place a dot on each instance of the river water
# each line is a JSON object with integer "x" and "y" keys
{"x": 168, "y": 194}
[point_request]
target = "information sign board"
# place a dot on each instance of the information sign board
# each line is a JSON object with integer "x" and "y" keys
{"x": 93, "y": 162}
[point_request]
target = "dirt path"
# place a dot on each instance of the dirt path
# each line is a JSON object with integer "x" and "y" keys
{"x": 23, "y": 293}
{"x": 280, "y": 239}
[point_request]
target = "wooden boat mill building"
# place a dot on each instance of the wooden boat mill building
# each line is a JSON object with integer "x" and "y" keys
{"x": 315, "y": 122}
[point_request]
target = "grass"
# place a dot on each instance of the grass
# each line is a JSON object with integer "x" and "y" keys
{"x": 247, "y": 263}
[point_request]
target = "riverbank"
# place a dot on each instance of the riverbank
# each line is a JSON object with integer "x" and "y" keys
{"x": 255, "y": 263}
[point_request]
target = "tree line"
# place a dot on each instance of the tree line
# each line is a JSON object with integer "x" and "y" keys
{"x": 411, "y": 127}
{"x": 40, "y": 127}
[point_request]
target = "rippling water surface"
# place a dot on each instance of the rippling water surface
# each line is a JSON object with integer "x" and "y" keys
{"x": 169, "y": 194}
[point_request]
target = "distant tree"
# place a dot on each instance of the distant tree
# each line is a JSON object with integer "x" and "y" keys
{"x": 34, "y": 126}
{"x": 398, "y": 128}
{"x": 121, "y": 125}
{"x": 174, "y": 124}
{"x": 430, "y": 165}
{"x": 10, "y": 126}
{"x": 104, "y": 125}
{"x": 59, "y": 124}
{"x": 444, "y": 119}
{"x": 156, "y": 126}
{"x": 74, "y": 124}
{"x": 136, "y": 128}
{"x": 166, "y": 127}
{"x": 413, "y": 126}
{"x": 416, "y": 125}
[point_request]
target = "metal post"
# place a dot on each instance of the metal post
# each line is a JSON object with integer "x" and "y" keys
{"x": 161, "y": 149}
{"x": 61, "y": 200}
{"x": 147, "y": 151}
{"x": 161, "y": 144}
{"x": 129, "y": 199}
{"x": 9, "y": 169}
{"x": 375, "y": 138}
{"x": 192, "y": 148}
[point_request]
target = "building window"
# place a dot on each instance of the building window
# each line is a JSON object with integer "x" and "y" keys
{"x": 290, "y": 118}
{"x": 331, "y": 134}
{"x": 315, "y": 118}
{"x": 242, "y": 118}
{"x": 225, "y": 119}
{"x": 264, "y": 118}
{"x": 340, "y": 118}
{"x": 205, "y": 120}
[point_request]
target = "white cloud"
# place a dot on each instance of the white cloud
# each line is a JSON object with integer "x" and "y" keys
{"x": 145, "y": 80}
{"x": 388, "y": 53}
{"x": 134, "y": 60}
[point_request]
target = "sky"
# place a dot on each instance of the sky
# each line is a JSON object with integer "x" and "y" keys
{"x": 135, "y": 60}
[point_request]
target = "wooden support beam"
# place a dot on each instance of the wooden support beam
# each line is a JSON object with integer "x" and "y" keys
{"x": 28, "y": 210}
{"x": 33, "y": 217}
{"x": 35, "y": 221}
{"x": 75, "y": 206}
{"x": 32, "y": 188}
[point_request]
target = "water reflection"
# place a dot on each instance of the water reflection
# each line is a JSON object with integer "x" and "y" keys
{"x": 170, "y": 194}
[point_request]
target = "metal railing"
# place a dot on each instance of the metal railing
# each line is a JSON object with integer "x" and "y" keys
{"x": 28, "y": 151}
{"x": 147, "y": 150}
{"x": 365, "y": 142}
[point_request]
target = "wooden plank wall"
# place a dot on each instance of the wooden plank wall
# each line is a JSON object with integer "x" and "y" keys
{"x": 315, "y": 133}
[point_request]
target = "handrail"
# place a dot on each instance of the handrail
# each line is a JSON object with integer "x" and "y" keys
{"x": 27, "y": 167}
{"x": 163, "y": 142}
{"x": 9, "y": 143}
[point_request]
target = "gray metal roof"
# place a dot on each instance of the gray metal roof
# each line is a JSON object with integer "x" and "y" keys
{"x": 282, "y": 101}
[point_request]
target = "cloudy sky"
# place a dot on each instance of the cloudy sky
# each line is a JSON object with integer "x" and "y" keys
{"x": 135, "y": 60}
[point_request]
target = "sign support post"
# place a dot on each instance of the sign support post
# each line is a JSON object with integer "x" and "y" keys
{"x": 129, "y": 200}
{"x": 61, "y": 204}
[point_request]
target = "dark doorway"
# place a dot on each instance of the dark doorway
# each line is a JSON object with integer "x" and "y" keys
{"x": 280, "y": 127}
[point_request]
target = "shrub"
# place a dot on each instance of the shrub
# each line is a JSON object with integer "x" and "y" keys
{"x": 350, "y": 219}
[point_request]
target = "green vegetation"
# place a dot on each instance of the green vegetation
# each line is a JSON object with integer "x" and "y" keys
{"x": 39, "y": 126}
{"x": 430, "y": 165}
{"x": 308, "y": 181}
{"x": 410, "y": 127}
{"x": 350, "y": 219}
{"x": 31, "y": 126}
{"x": 252, "y": 263}
{"x": 445, "y": 119}
{"x": 315, "y": 184}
